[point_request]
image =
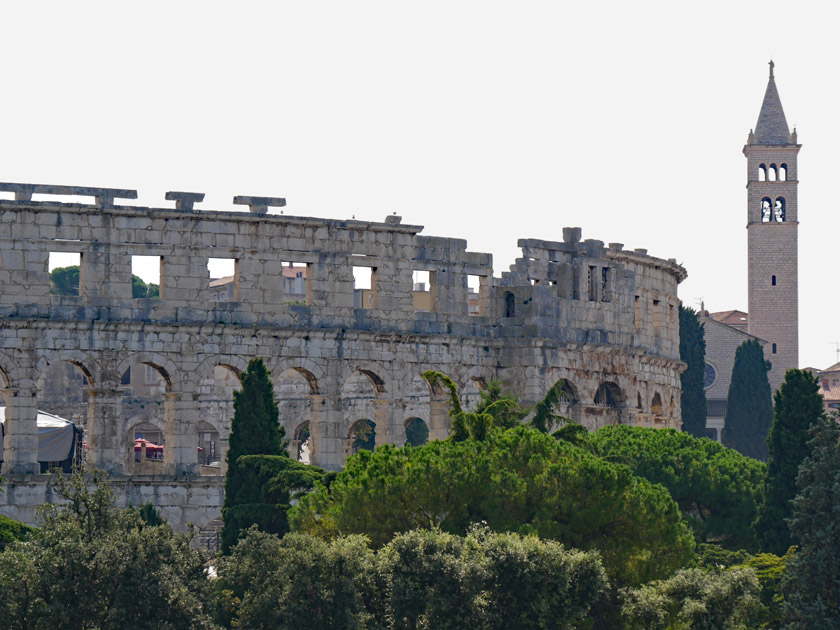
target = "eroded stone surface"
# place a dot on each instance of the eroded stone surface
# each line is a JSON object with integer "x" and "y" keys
{"x": 603, "y": 318}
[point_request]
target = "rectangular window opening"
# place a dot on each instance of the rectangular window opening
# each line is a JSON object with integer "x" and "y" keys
{"x": 657, "y": 318}
{"x": 637, "y": 315}
{"x": 606, "y": 284}
{"x": 65, "y": 273}
{"x": 593, "y": 284}
{"x": 224, "y": 279}
{"x": 476, "y": 294}
{"x": 296, "y": 283}
{"x": 146, "y": 274}
{"x": 421, "y": 290}
{"x": 364, "y": 287}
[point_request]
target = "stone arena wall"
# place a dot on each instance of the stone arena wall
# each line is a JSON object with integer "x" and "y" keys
{"x": 602, "y": 318}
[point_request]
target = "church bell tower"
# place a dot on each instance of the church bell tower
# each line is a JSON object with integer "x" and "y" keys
{"x": 772, "y": 220}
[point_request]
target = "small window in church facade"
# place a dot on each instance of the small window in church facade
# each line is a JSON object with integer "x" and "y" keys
{"x": 762, "y": 173}
{"x": 773, "y": 280}
{"x": 783, "y": 173}
{"x": 774, "y": 348}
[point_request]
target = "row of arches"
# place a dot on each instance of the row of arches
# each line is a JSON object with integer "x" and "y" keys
{"x": 773, "y": 211}
{"x": 772, "y": 173}
{"x": 151, "y": 419}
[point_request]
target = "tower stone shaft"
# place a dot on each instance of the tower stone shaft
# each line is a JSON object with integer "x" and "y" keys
{"x": 772, "y": 223}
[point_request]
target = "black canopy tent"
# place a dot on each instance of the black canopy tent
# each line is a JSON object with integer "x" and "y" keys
{"x": 56, "y": 441}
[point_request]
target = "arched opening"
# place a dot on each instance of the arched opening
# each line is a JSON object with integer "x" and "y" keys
{"x": 639, "y": 401}
{"x": 779, "y": 210}
{"x": 773, "y": 280}
{"x": 301, "y": 443}
{"x": 416, "y": 432}
{"x": 569, "y": 391}
{"x": 63, "y": 392}
{"x": 510, "y": 305}
{"x": 144, "y": 389}
{"x": 362, "y": 436}
{"x": 783, "y": 173}
{"x": 766, "y": 210}
{"x": 672, "y": 408}
{"x": 771, "y": 173}
{"x": 762, "y": 173}
{"x": 471, "y": 392}
{"x": 608, "y": 395}
{"x": 774, "y": 348}
{"x": 144, "y": 450}
{"x": 656, "y": 405}
{"x": 293, "y": 391}
{"x": 358, "y": 400}
{"x": 208, "y": 449}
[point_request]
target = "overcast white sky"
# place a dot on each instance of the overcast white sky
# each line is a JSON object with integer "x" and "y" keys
{"x": 483, "y": 120}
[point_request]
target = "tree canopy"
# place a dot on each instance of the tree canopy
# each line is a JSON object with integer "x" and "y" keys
{"x": 420, "y": 579}
{"x": 811, "y": 582}
{"x": 718, "y": 489}
{"x": 65, "y": 281}
{"x": 518, "y": 480}
{"x": 255, "y": 430}
{"x": 693, "y": 354}
{"x": 92, "y": 566}
{"x": 749, "y": 404}
{"x": 798, "y": 406}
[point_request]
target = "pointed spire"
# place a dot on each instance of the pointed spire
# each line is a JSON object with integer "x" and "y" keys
{"x": 772, "y": 127}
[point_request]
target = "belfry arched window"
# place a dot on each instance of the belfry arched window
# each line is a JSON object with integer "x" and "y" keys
{"x": 771, "y": 174}
{"x": 762, "y": 173}
{"x": 783, "y": 173}
{"x": 766, "y": 210}
{"x": 779, "y": 210}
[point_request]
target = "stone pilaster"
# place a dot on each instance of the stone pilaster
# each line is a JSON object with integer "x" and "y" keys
{"x": 20, "y": 440}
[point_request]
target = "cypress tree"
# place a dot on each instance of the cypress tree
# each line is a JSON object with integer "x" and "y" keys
{"x": 810, "y": 584}
{"x": 798, "y": 405}
{"x": 693, "y": 354}
{"x": 749, "y": 406}
{"x": 255, "y": 430}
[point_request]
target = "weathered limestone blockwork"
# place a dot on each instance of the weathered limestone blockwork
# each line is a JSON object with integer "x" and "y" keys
{"x": 600, "y": 317}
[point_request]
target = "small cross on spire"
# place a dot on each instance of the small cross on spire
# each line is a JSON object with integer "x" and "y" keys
{"x": 772, "y": 65}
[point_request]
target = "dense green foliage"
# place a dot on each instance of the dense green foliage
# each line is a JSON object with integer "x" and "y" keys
{"x": 255, "y": 430}
{"x": 693, "y": 598}
{"x": 65, "y": 281}
{"x": 92, "y": 566}
{"x": 693, "y": 354}
{"x": 810, "y": 586}
{"x": 519, "y": 480}
{"x": 416, "y": 433}
{"x": 140, "y": 289}
{"x": 798, "y": 405}
{"x": 717, "y": 488}
{"x": 749, "y": 406}
{"x": 420, "y": 579}
{"x": 504, "y": 407}
{"x": 475, "y": 425}
{"x": 769, "y": 570}
{"x": 11, "y": 531}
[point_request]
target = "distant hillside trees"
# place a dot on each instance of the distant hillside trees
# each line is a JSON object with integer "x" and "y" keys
{"x": 693, "y": 354}
{"x": 749, "y": 407}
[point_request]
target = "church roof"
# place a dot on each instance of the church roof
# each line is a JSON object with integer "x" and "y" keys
{"x": 772, "y": 127}
{"x": 731, "y": 318}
